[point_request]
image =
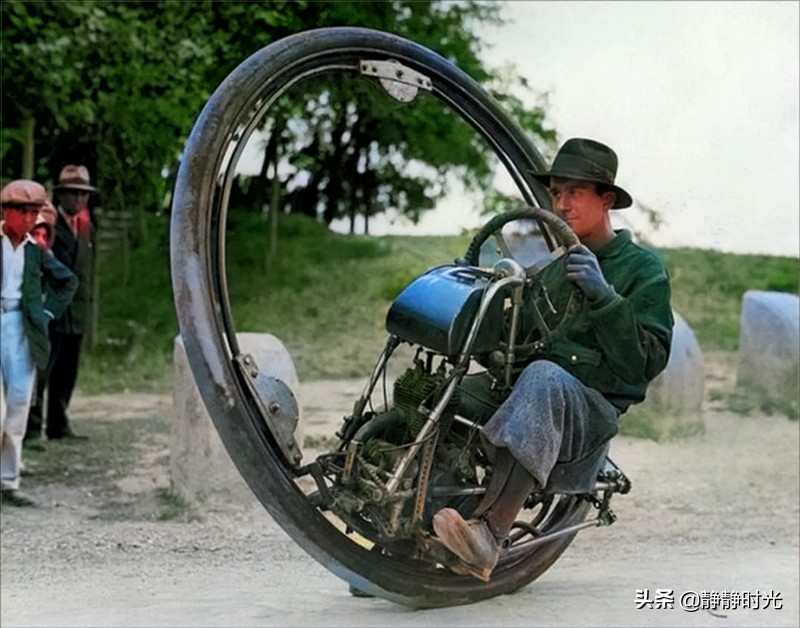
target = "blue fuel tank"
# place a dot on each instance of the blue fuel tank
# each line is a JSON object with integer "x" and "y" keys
{"x": 437, "y": 308}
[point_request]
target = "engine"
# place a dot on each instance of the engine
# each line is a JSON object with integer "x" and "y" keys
{"x": 415, "y": 389}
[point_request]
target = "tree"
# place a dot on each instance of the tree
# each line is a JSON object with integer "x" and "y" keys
{"x": 355, "y": 152}
{"x": 117, "y": 85}
{"x": 114, "y": 85}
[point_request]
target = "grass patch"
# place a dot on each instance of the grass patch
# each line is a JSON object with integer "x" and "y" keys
{"x": 325, "y": 296}
{"x": 648, "y": 424}
{"x": 325, "y": 443}
{"x": 100, "y": 465}
{"x": 116, "y": 451}
{"x": 106, "y": 456}
{"x": 171, "y": 505}
{"x": 746, "y": 402}
{"x": 708, "y": 286}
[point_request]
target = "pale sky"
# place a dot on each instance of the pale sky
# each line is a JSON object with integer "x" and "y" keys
{"x": 698, "y": 99}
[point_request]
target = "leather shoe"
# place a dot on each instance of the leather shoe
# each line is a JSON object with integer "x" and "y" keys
{"x": 13, "y": 497}
{"x": 471, "y": 541}
{"x": 68, "y": 435}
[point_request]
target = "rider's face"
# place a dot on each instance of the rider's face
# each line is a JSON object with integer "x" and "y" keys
{"x": 580, "y": 205}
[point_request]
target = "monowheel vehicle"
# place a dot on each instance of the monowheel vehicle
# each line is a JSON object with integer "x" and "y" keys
{"x": 399, "y": 456}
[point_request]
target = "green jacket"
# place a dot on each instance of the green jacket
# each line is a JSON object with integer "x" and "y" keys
{"x": 47, "y": 286}
{"x": 616, "y": 346}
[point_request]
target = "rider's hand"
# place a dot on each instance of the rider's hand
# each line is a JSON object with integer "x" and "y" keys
{"x": 583, "y": 269}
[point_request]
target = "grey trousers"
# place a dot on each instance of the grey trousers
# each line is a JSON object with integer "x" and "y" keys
{"x": 549, "y": 417}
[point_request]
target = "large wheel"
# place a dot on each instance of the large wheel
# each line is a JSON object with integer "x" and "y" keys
{"x": 197, "y": 245}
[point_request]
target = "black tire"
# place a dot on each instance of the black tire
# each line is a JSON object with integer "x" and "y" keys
{"x": 200, "y": 290}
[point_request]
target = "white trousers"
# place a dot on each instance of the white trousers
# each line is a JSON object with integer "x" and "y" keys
{"x": 17, "y": 379}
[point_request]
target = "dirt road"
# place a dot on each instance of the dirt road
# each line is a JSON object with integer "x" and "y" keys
{"x": 717, "y": 515}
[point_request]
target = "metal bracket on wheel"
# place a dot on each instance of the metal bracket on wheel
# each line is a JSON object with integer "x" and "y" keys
{"x": 276, "y": 404}
{"x": 400, "y": 82}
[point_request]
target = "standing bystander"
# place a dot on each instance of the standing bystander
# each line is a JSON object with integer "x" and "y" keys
{"x": 43, "y": 233}
{"x": 74, "y": 246}
{"x": 35, "y": 289}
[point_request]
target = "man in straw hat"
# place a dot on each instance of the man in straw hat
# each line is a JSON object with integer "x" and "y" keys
{"x": 73, "y": 245}
{"x": 565, "y": 403}
{"x": 36, "y": 288}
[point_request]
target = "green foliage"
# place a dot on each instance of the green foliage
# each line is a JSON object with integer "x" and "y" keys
{"x": 658, "y": 426}
{"x": 352, "y": 144}
{"x": 170, "y": 505}
{"x": 125, "y": 78}
{"x": 124, "y": 81}
{"x": 640, "y": 427}
{"x": 746, "y": 400}
{"x": 325, "y": 296}
{"x": 137, "y": 322}
{"x": 707, "y": 289}
{"x": 83, "y": 465}
{"x": 394, "y": 283}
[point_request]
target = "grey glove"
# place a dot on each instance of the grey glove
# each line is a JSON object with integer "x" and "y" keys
{"x": 583, "y": 269}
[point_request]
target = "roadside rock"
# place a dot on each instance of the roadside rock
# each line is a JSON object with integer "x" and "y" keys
{"x": 769, "y": 348}
{"x": 200, "y": 468}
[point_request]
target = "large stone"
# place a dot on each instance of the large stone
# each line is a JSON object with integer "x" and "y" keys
{"x": 201, "y": 469}
{"x": 674, "y": 403}
{"x": 769, "y": 349}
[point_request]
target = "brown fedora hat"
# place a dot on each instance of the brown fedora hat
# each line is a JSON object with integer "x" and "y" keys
{"x": 587, "y": 160}
{"x": 74, "y": 178}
